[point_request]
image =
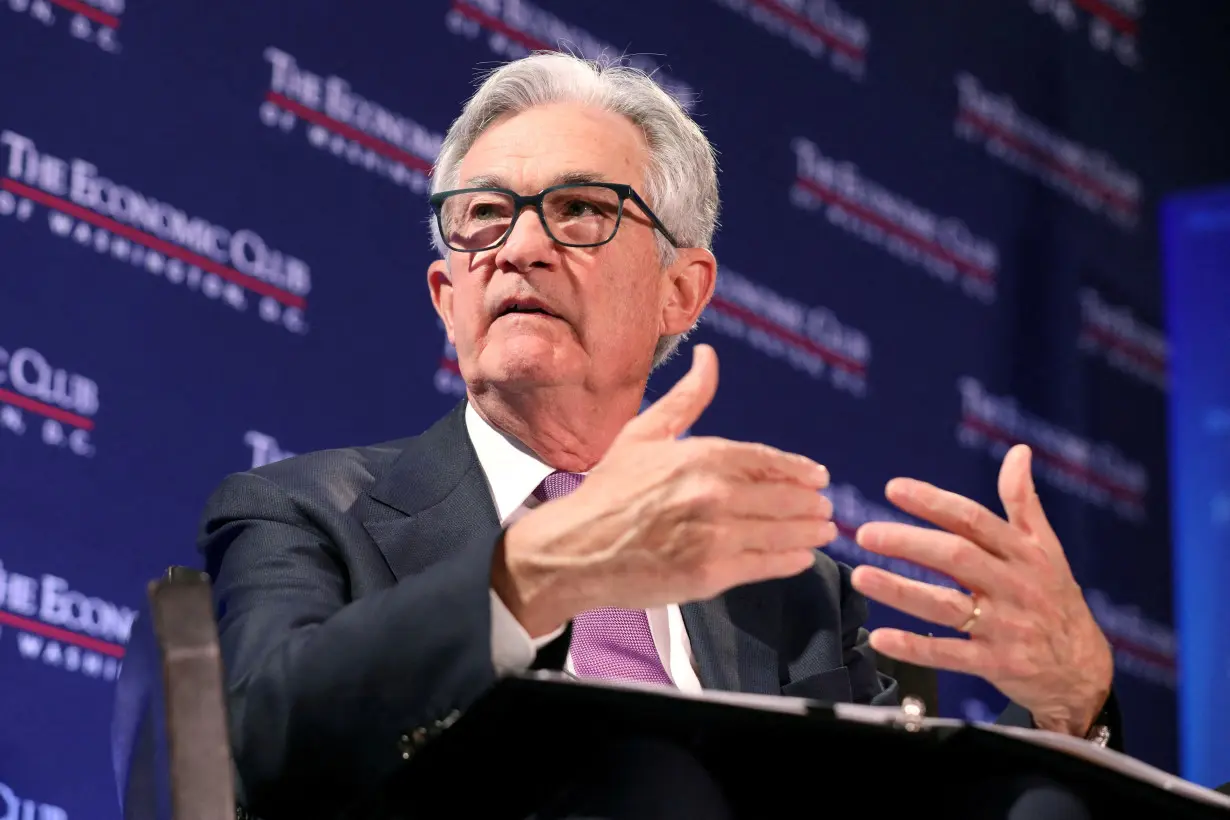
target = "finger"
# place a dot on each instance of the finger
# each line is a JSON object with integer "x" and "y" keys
{"x": 951, "y": 654}
{"x": 775, "y": 500}
{"x": 944, "y": 552}
{"x": 1020, "y": 497}
{"x": 957, "y": 514}
{"x": 682, "y": 405}
{"x": 939, "y": 605}
{"x": 764, "y": 535}
{"x": 751, "y": 462}
{"x": 753, "y": 567}
{"x": 720, "y": 574}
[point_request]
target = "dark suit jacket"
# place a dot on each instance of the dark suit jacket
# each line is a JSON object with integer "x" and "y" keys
{"x": 352, "y": 592}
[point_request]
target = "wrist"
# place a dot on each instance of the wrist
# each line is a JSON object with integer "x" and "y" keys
{"x": 529, "y": 593}
{"x": 1075, "y": 725}
{"x": 1078, "y": 722}
{"x": 1092, "y": 693}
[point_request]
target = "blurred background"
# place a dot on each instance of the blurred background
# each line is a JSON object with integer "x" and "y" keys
{"x": 948, "y": 226}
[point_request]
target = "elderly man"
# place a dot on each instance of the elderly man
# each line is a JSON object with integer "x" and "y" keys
{"x": 364, "y": 593}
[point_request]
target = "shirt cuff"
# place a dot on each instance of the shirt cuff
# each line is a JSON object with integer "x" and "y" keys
{"x": 512, "y": 648}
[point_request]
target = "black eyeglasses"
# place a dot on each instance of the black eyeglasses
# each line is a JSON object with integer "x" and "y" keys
{"x": 579, "y": 215}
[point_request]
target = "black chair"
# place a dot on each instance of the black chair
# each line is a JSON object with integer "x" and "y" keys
{"x": 169, "y": 744}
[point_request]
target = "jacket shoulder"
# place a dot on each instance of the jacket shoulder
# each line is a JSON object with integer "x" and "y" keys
{"x": 321, "y": 482}
{"x": 318, "y": 470}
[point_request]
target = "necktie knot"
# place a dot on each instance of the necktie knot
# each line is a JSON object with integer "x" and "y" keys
{"x": 557, "y": 485}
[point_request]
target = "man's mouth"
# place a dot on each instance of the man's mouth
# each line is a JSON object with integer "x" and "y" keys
{"x": 529, "y": 307}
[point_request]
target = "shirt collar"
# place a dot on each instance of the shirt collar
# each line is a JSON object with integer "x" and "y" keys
{"x": 512, "y": 471}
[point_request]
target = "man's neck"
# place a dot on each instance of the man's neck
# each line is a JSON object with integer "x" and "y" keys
{"x": 567, "y": 429}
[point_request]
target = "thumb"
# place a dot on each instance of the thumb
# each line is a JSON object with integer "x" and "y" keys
{"x": 1020, "y": 499}
{"x": 682, "y": 405}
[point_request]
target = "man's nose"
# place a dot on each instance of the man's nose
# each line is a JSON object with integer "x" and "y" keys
{"x": 529, "y": 245}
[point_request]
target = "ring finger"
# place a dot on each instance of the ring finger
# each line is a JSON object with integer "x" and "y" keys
{"x": 936, "y": 604}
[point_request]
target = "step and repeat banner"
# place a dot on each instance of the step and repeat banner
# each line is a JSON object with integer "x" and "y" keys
{"x": 938, "y": 239}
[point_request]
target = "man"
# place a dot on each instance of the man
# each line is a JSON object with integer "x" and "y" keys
{"x": 368, "y": 596}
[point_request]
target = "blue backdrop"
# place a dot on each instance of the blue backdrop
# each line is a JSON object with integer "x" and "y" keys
{"x": 1196, "y": 231}
{"x": 213, "y": 243}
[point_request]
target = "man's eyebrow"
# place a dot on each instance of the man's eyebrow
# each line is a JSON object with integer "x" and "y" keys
{"x": 565, "y": 178}
{"x": 579, "y": 178}
{"x": 485, "y": 181}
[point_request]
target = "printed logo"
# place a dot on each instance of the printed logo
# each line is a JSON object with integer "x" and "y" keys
{"x": 514, "y": 28}
{"x": 55, "y": 625}
{"x": 809, "y": 338}
{"x": 819, "y": 27}
{"x": 92, "y": 21}
{"x": 943, "y": 246}
{"x": 265, "y": 449}
{"x": 851, "y": 510}
{"x": 1124, "y": 342}
{"x": 1088, "y": 176}
{"x": 1112, "y": 24}
{"x": 13, "y": 807}
{"x": 1143, "y": 648}
{"x": 1094, "y": 472}
{"x": 32, "y": 389}
{"x": 150, "y": 235}
{"x": 341, "y": 122}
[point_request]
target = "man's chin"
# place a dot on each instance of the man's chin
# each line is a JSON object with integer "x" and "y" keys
{"x": 526, "y": 362}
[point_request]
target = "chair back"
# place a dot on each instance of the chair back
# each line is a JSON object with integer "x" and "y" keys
{"x": 170, "y": 746}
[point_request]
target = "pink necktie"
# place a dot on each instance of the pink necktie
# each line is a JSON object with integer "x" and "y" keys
{"x": 608, "y": 643}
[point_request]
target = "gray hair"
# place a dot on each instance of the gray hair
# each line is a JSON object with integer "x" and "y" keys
{"x": 681, "y": 181}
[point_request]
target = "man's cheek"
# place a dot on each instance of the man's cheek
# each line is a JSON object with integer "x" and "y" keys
{"x": 465, "y": 332}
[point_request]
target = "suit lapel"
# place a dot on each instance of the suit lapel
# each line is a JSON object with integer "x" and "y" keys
{"x": 433, "y": 499}
{"x": 733, "y": 639}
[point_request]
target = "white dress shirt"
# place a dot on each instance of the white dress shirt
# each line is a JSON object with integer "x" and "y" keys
{"x": 513, "y": 472}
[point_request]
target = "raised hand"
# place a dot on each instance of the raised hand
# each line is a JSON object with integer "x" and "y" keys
{"x": 661, "y": 520}
{"x": 1031, "y": 634}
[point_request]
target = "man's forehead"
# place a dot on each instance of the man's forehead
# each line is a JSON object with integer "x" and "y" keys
{"x": 498, "y": 180}
{"x": 554, "y": 145}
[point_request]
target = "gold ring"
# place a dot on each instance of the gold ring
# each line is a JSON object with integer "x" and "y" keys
{"x": 973, "y": 618}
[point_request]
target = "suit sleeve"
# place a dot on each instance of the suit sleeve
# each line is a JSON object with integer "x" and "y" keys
{"x": 867, "y": 683}
{"x": 321, "y": 689}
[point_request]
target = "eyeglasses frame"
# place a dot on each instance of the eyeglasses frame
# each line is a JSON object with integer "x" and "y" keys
{"x": 520, "y": 203}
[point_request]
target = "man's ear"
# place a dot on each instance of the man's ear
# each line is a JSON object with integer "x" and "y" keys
{"x": 441, "y": 287}
{"x": 689, "y": 284}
